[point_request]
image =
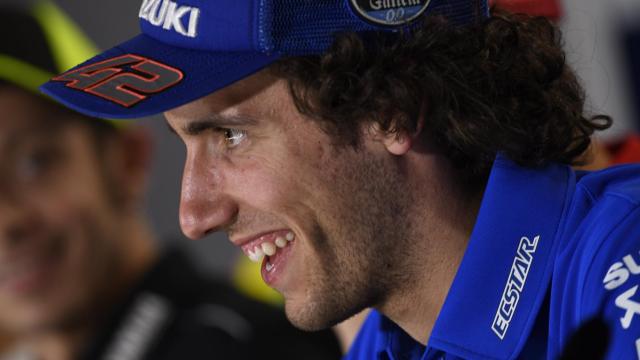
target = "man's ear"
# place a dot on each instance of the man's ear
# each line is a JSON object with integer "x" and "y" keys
{"x": 397, "y": 142}
{"x": 129, "y": 162}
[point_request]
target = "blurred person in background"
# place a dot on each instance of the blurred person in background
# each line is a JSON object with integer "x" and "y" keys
{"x": 81, "y": 276}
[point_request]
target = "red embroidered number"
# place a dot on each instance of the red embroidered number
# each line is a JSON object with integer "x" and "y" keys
{"x": 110, "y": 79}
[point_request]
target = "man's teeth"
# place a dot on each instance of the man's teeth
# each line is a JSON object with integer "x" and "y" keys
{"x": 270, "y": 248}
{"x": 256, "y": 255}
{"x": 281, "y": 242}
{"x": 269, "y": 266}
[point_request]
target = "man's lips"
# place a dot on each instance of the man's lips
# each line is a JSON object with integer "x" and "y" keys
{"x": 273, "y": 266}
{"x": 31, "y": 267}
{"x": 272, "y": 248}
{"x": 27, "y": 274}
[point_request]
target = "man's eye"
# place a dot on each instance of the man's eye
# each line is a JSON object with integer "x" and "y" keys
{"x": 234, "y": 137}
{"x": 36, "y": 164}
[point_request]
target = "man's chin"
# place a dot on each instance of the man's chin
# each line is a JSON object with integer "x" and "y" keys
{"x": 30, "y": 325}
{"x": 310, "y": 317}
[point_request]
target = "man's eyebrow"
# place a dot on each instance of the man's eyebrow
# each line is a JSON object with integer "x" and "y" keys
{"x": 215, "y": 122}
{"x": 33, "y": 133}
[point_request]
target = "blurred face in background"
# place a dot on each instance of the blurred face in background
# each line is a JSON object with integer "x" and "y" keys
{"x": 61, "y": 207}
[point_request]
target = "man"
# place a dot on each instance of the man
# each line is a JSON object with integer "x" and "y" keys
{"x": 80, "y": 274}
{"x": 410, "y": 156}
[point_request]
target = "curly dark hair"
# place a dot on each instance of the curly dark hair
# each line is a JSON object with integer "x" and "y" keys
{"x": 502, "y": 86}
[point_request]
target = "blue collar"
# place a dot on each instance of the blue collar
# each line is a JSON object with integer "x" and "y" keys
{"x": 504, "y": 275}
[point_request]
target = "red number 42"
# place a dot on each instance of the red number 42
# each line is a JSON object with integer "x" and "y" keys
{"x": 110, "y": 79}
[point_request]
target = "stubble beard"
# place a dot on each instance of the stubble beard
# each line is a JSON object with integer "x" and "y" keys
{"x": 358, "y": 248}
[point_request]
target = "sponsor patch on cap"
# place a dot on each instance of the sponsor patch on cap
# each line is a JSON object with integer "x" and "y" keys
{"x": 390, "y": 12}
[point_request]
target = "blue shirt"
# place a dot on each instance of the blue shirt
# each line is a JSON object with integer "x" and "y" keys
{"x": 551, "y": 249}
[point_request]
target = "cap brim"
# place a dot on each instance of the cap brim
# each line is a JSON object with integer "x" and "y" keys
{"x": 202, "y": 73}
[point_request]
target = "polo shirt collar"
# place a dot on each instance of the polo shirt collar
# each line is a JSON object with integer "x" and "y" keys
{"x": 505, "y": 272}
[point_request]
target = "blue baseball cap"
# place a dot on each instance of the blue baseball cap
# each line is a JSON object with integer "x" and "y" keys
{"x": 191, "y": 48}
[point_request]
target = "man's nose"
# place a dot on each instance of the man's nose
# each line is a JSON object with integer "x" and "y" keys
{"x": 15, "y": 223}
{"x": 204, "y": 206}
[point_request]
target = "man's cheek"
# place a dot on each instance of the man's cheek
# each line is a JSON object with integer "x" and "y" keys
{"x": 72, "y": 222}
{"x": 61, "y": 212}
{"x": 262, "y": 186}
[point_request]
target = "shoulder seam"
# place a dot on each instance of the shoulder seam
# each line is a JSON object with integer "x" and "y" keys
{"x": 602, "y": 242}
{"x": 624, "y": 197}
{"x": 609, "y": 193}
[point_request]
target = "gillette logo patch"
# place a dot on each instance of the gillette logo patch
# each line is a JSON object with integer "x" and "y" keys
{"x": 171, "y": 16}
{"x": 389, "y": 12}
{"x": 515, "y": 284}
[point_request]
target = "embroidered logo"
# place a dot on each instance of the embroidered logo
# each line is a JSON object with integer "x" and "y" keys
{"x": 171, "y": 16}
{"x": 617, "y": 275}
{"x": 515, "y": 284}
{"x": 390, "y": 12}
{"x": 620, "y": 271}
{"x": 631, "y": 308}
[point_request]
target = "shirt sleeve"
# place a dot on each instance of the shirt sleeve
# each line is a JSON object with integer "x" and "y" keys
{"x": 612, "y": 287}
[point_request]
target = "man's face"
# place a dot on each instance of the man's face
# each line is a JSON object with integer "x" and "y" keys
{"x": 57, "y": 222}
{"x": 259, "y": 170}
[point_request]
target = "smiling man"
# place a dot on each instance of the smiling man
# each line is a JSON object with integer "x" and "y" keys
{"x": 410, "y": 156}
{"x": 280, "y": 191}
